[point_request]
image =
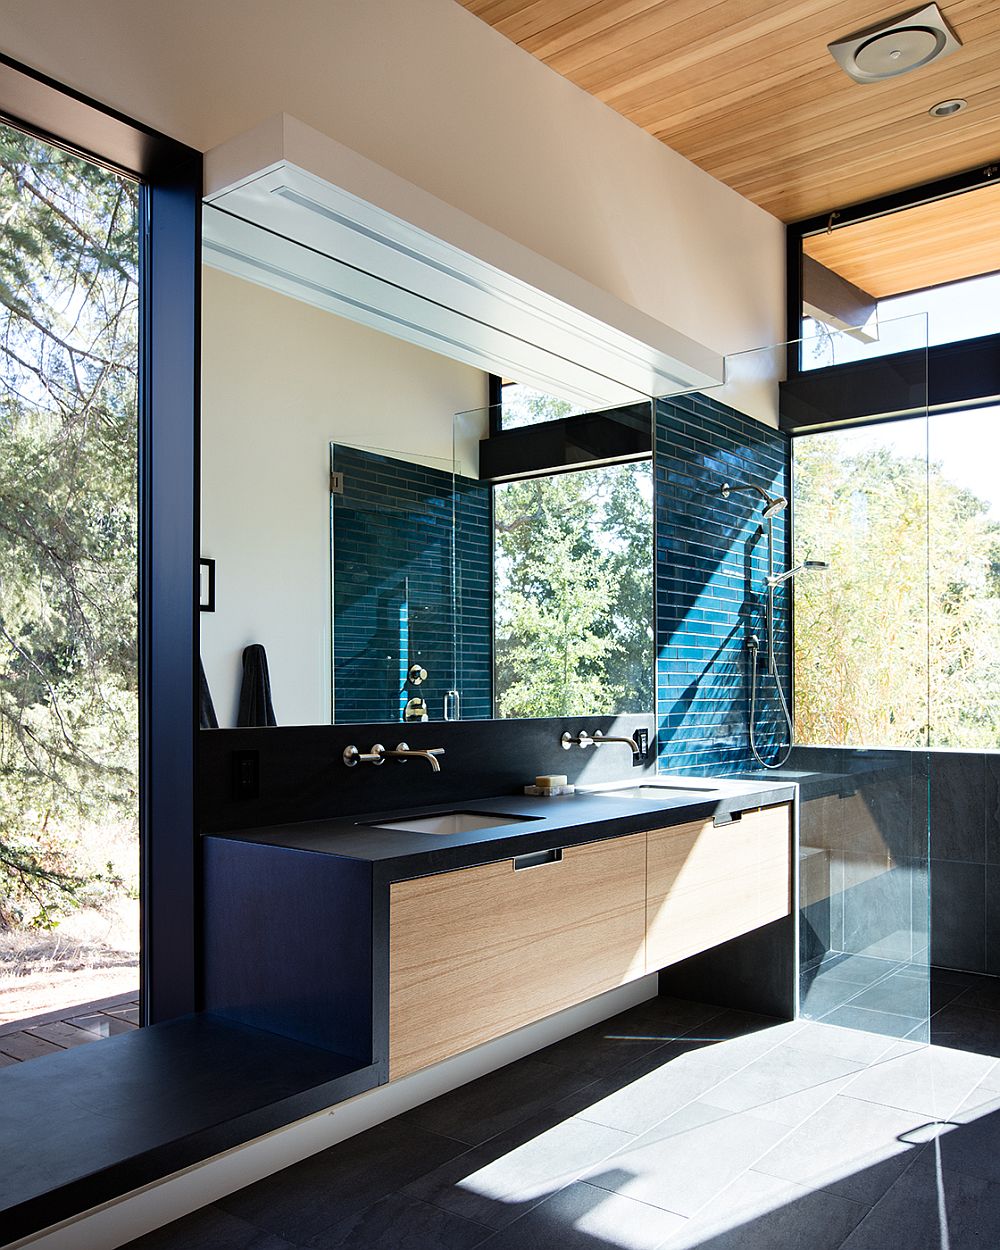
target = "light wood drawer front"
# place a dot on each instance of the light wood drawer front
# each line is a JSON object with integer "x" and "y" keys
{"x": 706, "y": 885}
{"x": 480, "y": 951}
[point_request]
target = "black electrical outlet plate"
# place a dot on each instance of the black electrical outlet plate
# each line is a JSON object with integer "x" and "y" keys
{"x": 246, "y": 774}
{"x": 641, "y": 738}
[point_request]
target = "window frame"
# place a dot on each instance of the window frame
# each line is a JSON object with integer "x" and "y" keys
{"x": 170, "y": 177}
{"x": 964, "y": 372}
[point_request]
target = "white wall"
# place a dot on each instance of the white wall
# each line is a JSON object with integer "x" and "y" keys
{"x": 426, "y": 89}
{"x": 281, "y": 380}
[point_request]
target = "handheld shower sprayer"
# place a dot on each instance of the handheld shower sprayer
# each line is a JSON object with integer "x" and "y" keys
{"x": 773, "y": 505}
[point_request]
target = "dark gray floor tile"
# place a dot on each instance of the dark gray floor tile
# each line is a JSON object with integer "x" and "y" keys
{"x": 972, "y": 1146}
{"x": 958, "y": 806}
{"x": 958, "y": 915}
{"x": 304, "y": 1200}
{"x": 768, "y": 1086}
{"x": 759, "y": 1212}
{"x": 397, "y": 1223}
{"x": 499, "y": 1181}
{"x": 851, "y": 1148}
{"x": 851, "y": 1017}
{"x": 929, "y": 1081}
{"x": 689, "y": 1158}
{"x": 682, "y": 1073}
{"x": 210, "y": 1229}
{"x": 824, "y": 995}
{"x": 852, "y": 1044}
{"x": 932, "y": 1207}
{"x": 860, "y": 969}
{"x": 751, "y": 1029}
{"x": 496, "y": 1102}
{"x": 906, "y": 996}
{"x": 596, "y": 1051}
{"x": 967, "y": 1028}
{"x": 583, "y": 1217}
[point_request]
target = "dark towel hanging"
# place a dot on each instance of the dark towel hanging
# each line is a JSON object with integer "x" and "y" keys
{"x": 206, "y": 709}
{"x": 255, "y": 692}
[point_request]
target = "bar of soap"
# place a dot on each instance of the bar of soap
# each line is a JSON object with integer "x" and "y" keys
{"x": 550, "y": 782}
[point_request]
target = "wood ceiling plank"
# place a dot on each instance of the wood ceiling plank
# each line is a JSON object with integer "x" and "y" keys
{"x": 805, "y": 114}
{"x": 598, "y": 17}
{"x": 534, "y": 17}
{"x": 747, "y": 90}
{"x": 907, "y": 146}
{"x": 657, "y": 31}
{"x": 833, "y": 148}
{"x": 816, "y": 89}
{"x": 903, "y": 252}
{"x": 710, "y": 49}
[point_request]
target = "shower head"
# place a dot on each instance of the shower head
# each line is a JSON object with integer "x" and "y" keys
{"x": 815, "y": 566}
{"x": 773, "y": 504}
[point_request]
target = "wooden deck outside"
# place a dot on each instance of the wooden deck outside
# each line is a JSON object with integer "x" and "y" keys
{"x": 71, "y": 1026}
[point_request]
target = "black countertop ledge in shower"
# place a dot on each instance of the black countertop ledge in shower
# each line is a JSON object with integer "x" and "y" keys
{"x": 91, "y": 1124}
{"x": 544, "y": 824}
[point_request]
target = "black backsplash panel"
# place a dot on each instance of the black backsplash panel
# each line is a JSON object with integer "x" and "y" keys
{"x": 302, "y": 775}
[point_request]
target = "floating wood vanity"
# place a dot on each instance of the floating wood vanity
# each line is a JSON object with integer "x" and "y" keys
{"x": 464, "y": 939}
{"x": 478, "y": 952}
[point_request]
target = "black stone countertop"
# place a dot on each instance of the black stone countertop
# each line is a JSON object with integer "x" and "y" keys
{"x": 561, "y": 821}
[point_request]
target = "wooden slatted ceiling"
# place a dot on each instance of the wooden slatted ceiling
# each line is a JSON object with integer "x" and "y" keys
{"x": 943, "y": 241}
{"x": 747, "y": 89}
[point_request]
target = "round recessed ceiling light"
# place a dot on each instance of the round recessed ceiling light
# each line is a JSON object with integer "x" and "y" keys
{"x": 948, "y": 108}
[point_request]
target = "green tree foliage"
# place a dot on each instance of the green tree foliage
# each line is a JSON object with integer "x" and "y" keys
{"x": 899, "y": 643}
{"x": 68, "y": 370}
{"x": 574, "y": 559}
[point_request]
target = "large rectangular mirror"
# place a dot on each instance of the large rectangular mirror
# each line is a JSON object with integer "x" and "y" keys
{"x": 366, "y": 567}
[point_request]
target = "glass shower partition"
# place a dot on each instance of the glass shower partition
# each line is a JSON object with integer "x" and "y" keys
{"x": 845, "y": 641}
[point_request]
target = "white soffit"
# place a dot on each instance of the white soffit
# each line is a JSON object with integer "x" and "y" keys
{"x": 345, "y": 234}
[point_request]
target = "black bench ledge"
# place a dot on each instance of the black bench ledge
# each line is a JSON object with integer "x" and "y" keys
{"x": 93, "y": 1123}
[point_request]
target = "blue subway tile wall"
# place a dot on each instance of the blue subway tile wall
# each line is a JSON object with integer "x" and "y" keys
{"x": 711, "y": 566}
{"x": 393, "y": 530}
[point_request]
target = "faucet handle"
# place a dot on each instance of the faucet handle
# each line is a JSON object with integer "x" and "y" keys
{"x": 353, "y": 756}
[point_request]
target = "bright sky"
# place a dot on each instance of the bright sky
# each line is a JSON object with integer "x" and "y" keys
{"x": 967, "y": 445}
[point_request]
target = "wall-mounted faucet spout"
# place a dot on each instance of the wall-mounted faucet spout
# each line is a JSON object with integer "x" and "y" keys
{"x": 378, "y": 755}
{"x": 584, "y": 739}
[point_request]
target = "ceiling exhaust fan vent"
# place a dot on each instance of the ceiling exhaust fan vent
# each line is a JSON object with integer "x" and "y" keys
{"x": 896, "y": 47}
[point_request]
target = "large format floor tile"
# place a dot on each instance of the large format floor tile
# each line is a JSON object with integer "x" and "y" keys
{"x": 933, "y": 1207}
{"x": 686, "y": 1160}
{"x": 499, "y": 1181}
{"x": 583, "y": 1217}
{"x": 849, "y": 1147}
{"x": 760, "y": 1212}
{"x": 673, "y": 1126}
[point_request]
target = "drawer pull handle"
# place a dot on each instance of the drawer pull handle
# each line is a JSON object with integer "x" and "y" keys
{"x": 536, "y": 858}
{"x": 728, "y": 818}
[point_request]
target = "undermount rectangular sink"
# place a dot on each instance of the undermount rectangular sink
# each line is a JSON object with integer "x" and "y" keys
{"x": 648, "y": 790}
{"x": 451, "y": 822}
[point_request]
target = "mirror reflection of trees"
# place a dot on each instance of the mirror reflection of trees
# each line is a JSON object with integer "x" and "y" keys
{"x": 68, "y": 535}
{"x": 574, "y": 593}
